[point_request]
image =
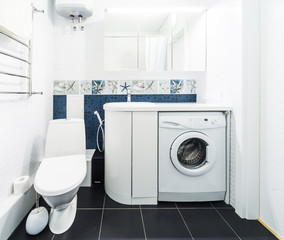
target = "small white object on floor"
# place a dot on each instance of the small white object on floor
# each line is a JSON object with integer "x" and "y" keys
{"x": 37, "y": 221}
{"x": 21, "y": 185}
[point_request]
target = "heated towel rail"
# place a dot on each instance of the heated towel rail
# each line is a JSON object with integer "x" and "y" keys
{"x": 16, "y": 56}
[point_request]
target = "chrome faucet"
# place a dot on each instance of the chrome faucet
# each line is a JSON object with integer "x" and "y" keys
{"x": 128, "y": 95}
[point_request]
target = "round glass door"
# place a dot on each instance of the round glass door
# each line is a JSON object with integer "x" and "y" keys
{"x": 193, "y": 153}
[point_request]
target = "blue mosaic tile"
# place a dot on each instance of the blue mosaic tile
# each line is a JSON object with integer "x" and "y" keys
{"x": 95, "y": 103}
{"x": 59, "y": 106}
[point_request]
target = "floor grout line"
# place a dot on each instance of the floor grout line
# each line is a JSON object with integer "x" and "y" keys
{"x": 102, "y": 217}
{"x": 53, "y": 237}
{"x": 184, "y": 222}
{"x": 225, "y": 221}
{"x": 144, "y": 229}
{"x": 205, "y": 208}
{"x": 157, "y": 208}
{"x": 121, "y": 208}
{"x": 146, "y": 208}
{"x": 86, "y": 209}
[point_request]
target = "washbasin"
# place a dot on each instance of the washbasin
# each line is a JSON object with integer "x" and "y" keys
{"x": 128, "y": 105}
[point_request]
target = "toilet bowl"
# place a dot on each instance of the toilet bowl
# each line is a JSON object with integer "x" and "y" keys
{"x": 62, "y": 171}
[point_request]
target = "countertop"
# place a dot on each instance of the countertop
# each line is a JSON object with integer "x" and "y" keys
{"x": 163, "y": 107}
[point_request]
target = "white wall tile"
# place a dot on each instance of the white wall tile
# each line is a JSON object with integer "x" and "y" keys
{"x": 224, "y": 71}
{"x": 272, "y": 114}
{"x": 75, "y": 106}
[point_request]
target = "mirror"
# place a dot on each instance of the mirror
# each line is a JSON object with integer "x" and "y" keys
{"x": 155, "y": 40}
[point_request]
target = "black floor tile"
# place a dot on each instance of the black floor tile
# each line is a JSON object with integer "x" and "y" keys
{"x": 86, "y": 226}
{"x": 160, "y": 205}
{"x": 109, "y": 203}
{"x": 122, "y": 224}
{"x": 194, "y": 205}
{"x": 207, "y": 224}
{"x": 162, "y": 221}
{"x": 221, "y": 204}
{"x": 164, "y": 224}
{"x": 21, "y": 234}
{"x": 91, "y": 197}
{"x": 246, "y": 229}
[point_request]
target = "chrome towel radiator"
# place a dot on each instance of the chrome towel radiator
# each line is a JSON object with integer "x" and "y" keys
{"x": 16, "y": 61}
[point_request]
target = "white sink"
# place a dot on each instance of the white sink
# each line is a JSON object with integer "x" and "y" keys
{"x": 116, "y": 106}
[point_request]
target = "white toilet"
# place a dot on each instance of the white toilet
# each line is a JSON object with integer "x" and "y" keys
{"x": 62, "y": 171}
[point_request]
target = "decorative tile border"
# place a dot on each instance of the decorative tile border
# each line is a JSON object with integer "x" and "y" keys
{"x": 72, "y": 87}
{"x": 119, "y": 87}
{"x": 86, "y": 87}
{"x": 59, "y": 87}
{"x": 177, "y": 86}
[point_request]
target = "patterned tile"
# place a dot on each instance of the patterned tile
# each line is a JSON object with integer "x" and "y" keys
{"x": 164, "y": 86}
{"x": 137, "y": 86}
{"x": 86, "y": 87}
{"x": 177, "y": 86}
{"x": 124, "y": 85}
{"x": 59, "y": 107}
{"x": 151, "y": 86}
{"x": 112, "y": 87}
{"x": 94, "y": 87}
{"x": 72, "y": 87}
{"x": 98, "y": 86}
{"x": 189, "y": 86}
{"x": 59, "y": 87}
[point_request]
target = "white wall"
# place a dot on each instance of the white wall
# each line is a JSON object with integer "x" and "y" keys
{"x": 272, "y": 114}
{"x": 223, "y": 51}
{"x": 23, "y": 121}
{"x": 233, "y": 77}
{"x": 224, "y": 69}
{"x": 17, "y": 17}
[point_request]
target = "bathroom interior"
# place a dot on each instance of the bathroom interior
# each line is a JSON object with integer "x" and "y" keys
{"x": 136, "y": 63}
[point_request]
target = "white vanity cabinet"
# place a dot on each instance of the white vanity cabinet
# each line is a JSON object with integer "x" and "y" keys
{"x": 131, "y": 156}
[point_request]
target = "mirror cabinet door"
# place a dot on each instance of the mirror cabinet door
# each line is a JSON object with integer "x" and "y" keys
{"x": 155, "y": 32}
{"x": 120, "y": 41}
{"x": 155, "y": 41}
{"x": 189, "y": 41}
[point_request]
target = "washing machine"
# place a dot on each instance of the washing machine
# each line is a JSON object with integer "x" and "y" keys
{"x": 192, "y": 156}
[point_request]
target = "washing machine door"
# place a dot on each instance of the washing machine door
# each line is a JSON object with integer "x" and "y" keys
{"x": 193, "y": 153}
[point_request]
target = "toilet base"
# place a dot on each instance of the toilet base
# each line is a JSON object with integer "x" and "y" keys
{"x": 62, "y": 217}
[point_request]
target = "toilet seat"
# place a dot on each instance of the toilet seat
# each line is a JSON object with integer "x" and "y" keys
{"x": 59, "y": 175}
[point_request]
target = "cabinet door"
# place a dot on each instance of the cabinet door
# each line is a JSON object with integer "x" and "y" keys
{"x": 118, "y": 156}
{"x": 144, "y": 154}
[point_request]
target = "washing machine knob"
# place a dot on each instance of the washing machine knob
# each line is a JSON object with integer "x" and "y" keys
{"x": 213, "y": 121}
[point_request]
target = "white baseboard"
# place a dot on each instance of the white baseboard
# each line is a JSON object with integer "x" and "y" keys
{"x": 13, "y": 210}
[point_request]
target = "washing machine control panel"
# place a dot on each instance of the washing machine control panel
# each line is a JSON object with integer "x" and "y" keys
{"x": 192, "y": 120}
{"x": 205, "y": 122}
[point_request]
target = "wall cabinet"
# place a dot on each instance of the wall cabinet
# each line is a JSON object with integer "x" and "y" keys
{"x": 131, "y": 157}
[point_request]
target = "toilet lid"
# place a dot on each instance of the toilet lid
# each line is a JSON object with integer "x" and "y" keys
{"x": 59, "y": 175}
